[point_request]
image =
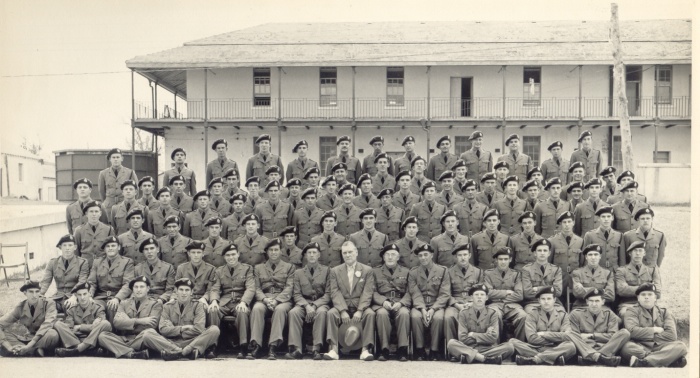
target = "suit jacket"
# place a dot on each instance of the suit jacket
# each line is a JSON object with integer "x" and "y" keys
{"x": 495, "y": 197}
{"x": 220, "y": 205}
{"x": 312, "y": 289}
{"x": 193, "y": 226}
{"x": 533, "y": 277}
{"x": 482, "y": 322}
{"x": 157, "y": 216}
{"x": 111, "y": 282}
{"x": 203, "y": 280}
{"x": 125, "y": 318}
{"x": 368, "y": 165}
{"x": 292, "y": 255}
{"x": 509, "y": 214}
{"x": 109, "y": 185}
{"x": 89, "y": 242}
{"x": 555, "y": 327}
{"x": 604, "y": 326}
{"x": 308, "y": 225}
{"x": 118, "y": 216}
{"x": 277, "y": 284}
{"x": 470, "y": 216}
{"x": 406, "y": 203}
{"x": 239, "y": 287}
{"x": 182, "y": 202}
{"x": 257, "y": 166}
{"x": 584, "y": 216}
{"x": 522, "y": 249}
{"x": 407, "y": 257}
{"x": 295, "y": 168}
{"x": 460, "y": 283}
{"x": 172, "y": 319}
{"x": 431, "y": 290}
{"x": 624, "y": 218}
{"x": 628, "y": 279}
{"x": 454, "y": 199}
{"x": 66, "y": 279}
{"x": 640, "y": 323}
{"x": 174, "y": 253}
{"x": 355, "y": 297}
{"x": 547, "y": 214}
{"x": 131, "y": 244}
{"x": 364, "y": 201}
{"x": 231, "y": 227}
{"x": 391, "y": 287}
{"x": 550, "y": 169}
{"x": 354, "y": 167}
{"x": 252, "y": 253}
{"x": 151, "y": 202}
{"x": 655, "y": 244}
{"x": 84, "y": 317}
{"x": 380, "y": 182}
{"x": 348, "y": 223}
{"x": 368, "y": 249}
{"x": 36, "y": 325}
{"x": 162, "y": 279}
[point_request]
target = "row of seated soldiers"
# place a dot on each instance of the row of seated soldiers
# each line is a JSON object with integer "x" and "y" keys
{"x": 465, "y": 306}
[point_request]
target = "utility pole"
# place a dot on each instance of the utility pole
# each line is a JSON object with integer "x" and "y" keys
{"x": 619, "y": 79}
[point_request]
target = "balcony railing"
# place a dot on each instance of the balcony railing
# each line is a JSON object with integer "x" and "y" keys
{"x": 482, "y": 108}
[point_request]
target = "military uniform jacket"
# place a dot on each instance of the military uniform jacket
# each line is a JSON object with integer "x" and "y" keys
{"x": 174, "y": 253}
{"x": 533, "y": 277}
{"x": 555, "y": 327}
{"x": 194, "y": 223}
{"x": 36, "y": 326}
{"x": 217, "y": 168}
{"x": 406, "y": 247}
{"x": 483, "y": 249}
{"x": 499, "y": 282}
{"x": 389, "y": 224}
{"x": 368, "y": 165}
{"x": 655, "y": 244}
{"x": 499, "y": 185}
{"x": 348, "y": 219}
{"x": 531, "y": 203}
{"x": 381, "y": 182}
{"x": 403, "y": 163}
{"x": 443, "y": 245}
{"x": 617, "y": 197}
{"x": 510, "y": 211}
{"x": 110, "y": 185}
{"x": 292, "y": 255}
{"x": 591, "y": 162}
{"x": 118, "y": 216}
{"x": 231, "y": 226}
{"x": 257, "y": 166}
{"x": 429, "y": 224}
{"x": 585, "y": 218}
{"x": 456, "y": 186}
{"x": 328, "y": 201}
{"x": 417, "y": 184}
{"x": 84, "y": 317}
{"x": 252, "y": 249}
{"x": 66, "y": 279}
{"x": 188, "y": 174}
{"x": 470, "y": 216}
{"x": 182, "y": 202}
{"x": 109, "y": 282}
{"x": 567, "y": 256}
{"x": 364, "y": 201}
{"x": 405, "y": 201}
{"x": 308, "y": 223}
{"x": 483, "y": 197}
{"x": 229, "y": 191}
{"x": 331, "y": 255}
{"x": 151, "y": 202}
{"x": 172, "y": 320}
{"x": 522, "y": 248}
{"x": 429, "y": 290}
{"x": 628, "y": 279}
{"x": 603, "y": 326}
{"x": 565, "y": 195}
{"x": 157, "y": 217}
{"x": 437, "y": 165}
{"x": 357, "y": 297}
{"x": 368, "y": 249}
{"x": 312, "y": 289}
{"x": 124, "y": 320}
{"x": 251, "y": 203}
{"x": 601, "y": 279}
{"x": 477, "y": 165}
{"x": 213, "y": 249}
{"x": 221, "y": 206}
{"x": 273, "y": 221}
{"x": 75, "y": 217}
{"x": 297, "y": 168}
{"x": 460, "y": 283}
{"x": 162, "y": 279}
{"x": 612, "y": 256}
{"x": 277, "y": 284}
{"x": 478, "y": 321}
{"x": 518, "y": 166}
{"x": 454, "y": 198}
{"x": 550, "y": 169}
{"x": 547, "y": 214}
{"x": 391, "y": 287}
{"x": 239, "y": 287}
{"x": 640, "y": 322}
{"x": 354, "y": 167}
{"x": 203, "y": 280}
{"x": 608, "y": 190}
{"x": 624, "y": 218}
{"x": 131, "y": 242}
{"x": 295, "y": 203}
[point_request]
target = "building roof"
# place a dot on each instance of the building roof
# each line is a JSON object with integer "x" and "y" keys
{"x": 421, "y": 43}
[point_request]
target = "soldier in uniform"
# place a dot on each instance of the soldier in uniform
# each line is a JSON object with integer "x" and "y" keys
{"x": 160, "y": 273}
{"x": 384, "y": 178}
{"x": 109, "y": 277}
{"x": 477, "y": 340}
{"x": 444, "y": 244}
{"x": 82, "y": 325}
{"x": 418, "y": 169}
{"x": 233, "y": 184}
{"x": 274, "y": 214}
{"x": 391, "y": 300}
{"x": 404, "y": 198}
{"x": 624, "y": 209}
{"x": 547, "y": 212}
{"x": 607, "y": 238}
{"x": 111, "y": 179}
{"x": 297, "y": 167}
{"x": 164, "y": 210}
{"x": 628, "y": 278}
{"x": 501, "y": 170}
{"x": 654, "y": 240}
{"x": 180, "y": 169}
{"x": 369, "y": 165}
{"x": 311, "y": 299}
{"x": 518, "y": 163}
{"x": 214, "y": 243}
{"x": 231, "y": 295}
{"x": 131, "y": 239}
{"x": 75, "y": 212}
{"x": 217, "y": 167}
{"x": 329, "y": 200}
{"x": 389, "y": 217}
{"x": 623, "y": 179}
{"x": 368, "y": 241}
{"x": 259, "y": 163}
{"x": 488, "y": 194}
{"x": 329, "y": 241}
{"x": 540, "y": 274}
{"x": 510, "y": 208}
{"x": 463, "y": 276}
{"x": 180, "y": 200}
{"x": 505, "y": 292}
{"x": 173, "y": 244}
{"x": 460, "y": 171}
{"x": 36, "y": 316}
{"x": 609, "y": 188}
{"x": 532, "y": 195}
{"x": 409, "y": 242}
{"x": 294, "y": 194}
{"x": 290, "y": 252}
{"x": 340, "y": 173}
{"x": 274, "y": 285}
{"x": 366, "y": 199}
{"x": 429, "y": 286}
{"x": 232, "y": 226}
{"x": 556, "y": 167}
{"x": 352, "y": 164}
{"x": 575, "y": 192}
{"x": 404, "y": 162}
{"x": 566, "y": 248}
{"x": 348, "y": 215}
{"x": 479, "y": 161}
{"x": 592, "y": 276}
{"x": 443, "y": 161}
{"x": 198, "y": 271}
{"x": 597, "y": 342}
{"x": 251, "y": 245}
{"x": 428, "y": 212}
{"x": 254, "y": 198}
{"x": 584, "y": 213}
{"x": 470, "y": 211}
{"x": 590, "y": 157}
{"x": 312, "y": 179}
{"x": 546, "y": 329}
{"x": 193, "y": 226}
{"x": 136, "y": 318}
{"x": 487, "y": 242}
{"x": 146, "y": 186}
{"x": 119, "y": 214}
{"x": 448, "y": 197}
{"x": 522, "y": 243}
{"x": 653, "y": 338}
{"x": 68, "y": 270}
{"x": 351, "y": 287}
{"x": 578, "y": 172}
{"x": 273, "y": 174}
{"x": 307, "y": 218}
{"x": 217, "y": 202}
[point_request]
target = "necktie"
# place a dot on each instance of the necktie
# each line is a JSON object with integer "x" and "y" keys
{"x": 430, "y": 208}
{"x": 586, "y": 153}
{"x": 328, "y": 239}
{"x": 638, "y": 267}
{"x": 445, "y": 158}
{"x": 136, "y": 235}
{"x": 179, "y": 170}
{"x": 302, "y": 164}
{"x": 288, "y": 252}
{"x": 294, "y": 203}
{"x": 493, "y": 238}
{"x": 606, "y": 234}
{"x": 489, "y": 197}
{"x": 252, "y": 202}
{"x": 201, "y": 213}
{"x": 532, "y": 204}
{"x": 182, "y": 308}
{"x": 178, "y": 199}
{"x": 595, "y": 317}
{"x": 138, "y": 304}
{"x": 367, "y": 199}
{"x": 612, "y": 190}
{"x": 409, "y": 157}
{"x": 542, "y": 268}
{"x": 216, "y": 204}
{"x": 31, "y": 310}
{"x": 250, "y": 241}
{"x": 470, "y": 207}
{"x": 512, "y": 203}
{"x": 447, "y": 197}
{"x": 369, "y": 236}
{"x": 343, "y": 159}
{"x": 109, "y": 263}
{"x": 568, "y": 240}
{"x": 386, "y": 210}
{"x": 163, "y": 213}
{"x": 410, "y": 245}
{"x": 556, "y": 205}
{"x": 128, "y": 206}
{"x": 274, "y": 266}
{"x": 150, "y": 267}
{"x": 94, "y": 228}
{"x": 548, "y": 316}
{"x": 427, "y": 272}
{"x": 195, "y": 269}
{"x": 478, "y": 313}
{"x": 213, "y": 242}
{"x": 478, "y": 154}
{"x": 264, "y": 158}
{"x": 309, "y": 212}
{"x": 274, "y": 207}
{"x": 592, "y": 272}
{"x": 332, "y": 201}
{"x": 146, "y": 202}
{"x": 116, "y": 172}
{"x": 221, "y": 163}
{"x": 347, "y": 211}
{"x": 529, "y": 239}
{"x": 631, "y": 207}
{"x": 503, "y": 274}
{"x": 405, "y": 199}
{"x": 595, "y": 206}
{"x": 230, "y": 192}
{"x": 230, "y": 270}
{"x": 391, "y": 271}
{"x": 172, "y": 241}
{"x": 464, "y": 271}
{"x": 557, "y": 161}
{"x": 515, "y": 157}
{"x": 646, "y": 234}
{"x": 453, "y": 238}
{"x": 65, "y": 264}
{"x": 382, "y": 179}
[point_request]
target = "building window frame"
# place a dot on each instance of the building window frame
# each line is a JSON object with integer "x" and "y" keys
{"x": 663, "y": 80}
{"x": 20, "y": 172}
{"x": 532, "y": 86}
{"x": 327, "y": 148}
{"x": 395, "y": 90}
{"x": 462, "y": 144}
{"x": 662, "y": 157}
{"x": 532, "y": 146}
{"x": 262, "y": 90}
{"x": 328, "y": 87}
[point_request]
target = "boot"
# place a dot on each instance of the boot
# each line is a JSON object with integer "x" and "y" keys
{"x": 210, "y": 353}
{"x": 166, "y": 355}
{"x": 67, "y": 352}
{"x": 522, "y": 360}
{"x": 613, "y": 361}
{"x": 638, "y": 362}
{"x": 272, "y": 354}
{"x": 560, "y": 361}
{"x": 584, "y": 362}
{"x": 679, "y": 363}
{"x": 420, "y": 355}
{"x": 318, "y": 356}
{"x": 242, "y": 352}
{"x": 403, "y": 354}
{"x": 384, "y": 355}
{"x": 140, "y": 355}
{"x": 254, "y": 351}
{"x": 194, "y": 354}
{"x": 496, "y": 360}
{"x": 463, "y": 359}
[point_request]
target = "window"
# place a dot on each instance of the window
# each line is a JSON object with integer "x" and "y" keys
{"x": 663, "y": 84}
{"x": 617, "y": 153}
{"x": 531, "y": 86}
{"x": 329, "y": 89}
{"x": 261, "y": 87}
{"x": 20, "y": 171}
{"x": 394, "y": 86}
{"x": 662, "y": 157}
{"x": 462, "y": 144}
{"x": 531, "y": 147}
{"x": 327, "y": 149}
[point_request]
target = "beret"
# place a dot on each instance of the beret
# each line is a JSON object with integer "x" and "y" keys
{"x": 338, "y": 166}
{"x": 288, "y": 230}
{"x": 147, "y": 242}
{"x": 416, "y": 159}
{"x": 490, "y": 213}
{"x": 508, "y": 179}
{"x": 128, "y": 183}
{"x": 162, "y": 190}
{"x": 368, "y": 211}
{"x": 408, "y": 138}
{"x": 109, "y": 240}
{"x": 446, "y": 175}
{"x": 308, "y": 192}
{"x": 408, "y": 220}
{"x": 312, "y": 245}
{"x": 176, "y": 178}
{"x": 500, "y": 164}
{"x": 641, "y": 212}
{"x": 565, "y": 215}
{"x": 328, "y": 214}
{"x": 427, "y": 185}
{"x": 387, "y": 248}
{"x": 381, "y": 155}
{"x": 238, "y": 197}
{"x": 213, "y": 221}
{"x": 273, "y": 242}
{"x": 328, "y": 179}
{"x": 195, "y": 244}
{"x": 593, "y": 293}
{"x": 364, "y": 177}
{"x": 171, "y": 220}
{"x": 263, "y": 137}
{"x": 527, "y": 215}
{"x": 230, "y": 247}
{"x": 630, "y": 185}
{"x": 503, "y": 251}
{"x": 90, "y": 204}
{"x": 272, "y": 184}
{"x": 604, "y": 210}
{"x": 533, "y": 171}
{"x": 511, "y": 137}
{"x": 467, "y": 184}
{"x": 552, "y": 181}
{"x": 545, "y": 290}
{"x": 29, "y": 284}
{"x": 607, "y": 170}
{"x": 385, "y": 192}
{"x": 375, "y": 139}
{"x": 593, "y": 181}
{"x": 343, "y": 138}
{"x": 461, "y": 247}
{"x": 132, "y": 212}
{"x": 201, "y": 193}
{"x": 147, "y": 179}
{"x": 576, "y": 165}
{"x": 423, "y": 248}
{"x": 592, "y": 248}
{"x": 530, "y": 184}
{"x": 574, "y": 185}
{"x": 299, "y": 144}
{"x": 272, "y": 169}
{"x": 143, "y": 279}
{"x": 478, "y": 287}
{"x": 488, "y": 176}
{"x": 311, "y": 171}
{"x": 217, "y": 142}
{"x": 252, "y": 179}
{"x": 540, "y": 242}
{"x": 216, "y": 180}
{"x": 347, "y": 187}
{"x": 250, "y": 217}
{"x": 645, "y": 287}
{"x": 68, "y": 238}
{"x": 184, "y": 281}
{"x": 292, "y": 182}
{"x": 623, "y": 175}
{"x": 635, "y": 245}
{"x": 555, "y": 144}
{"x": 403, "y": 173}
{"x": 448, "y": 213}
{"x": 172, "y": 154}
{"x": 475, "y": 135}
{"x": 112, "y": 152}
{"x": 229, "y": 172}
{"x": 459, "y": 163}
{"x": 80, "y": 286}
{"x": 444, "y": 138}
{"x": 83, "y": 180}
{"x": 584, "y": 134}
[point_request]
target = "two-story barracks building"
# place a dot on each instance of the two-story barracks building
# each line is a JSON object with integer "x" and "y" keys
{"x": 546, "y": 81}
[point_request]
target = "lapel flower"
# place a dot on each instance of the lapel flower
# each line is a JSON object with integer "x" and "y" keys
{"x": 358, "y": 274}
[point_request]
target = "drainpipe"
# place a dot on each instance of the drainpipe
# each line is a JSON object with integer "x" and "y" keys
{"x": 206, "y": 119}
{"x": 279, "y": 111}
{"x": 354, "y": 120}
{"x": 503, "y": 128}
{"x": 133, "y": 125}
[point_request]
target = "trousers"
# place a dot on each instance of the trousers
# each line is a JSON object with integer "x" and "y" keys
{"x": 367, "y": 321}
{"x": 297, "y": 318}
{"x": 242, "y": 322}
{"x": 587, "y": 348}
{"x": 548, "y": 354}
{"x": 437, "y": 329}
{"x": 402, "y": 320}
{"x": 658, "y": 356}
{"x": 71, "y": 339}
{"x": 457, "y": 348}
{"x": 257, "y": 322}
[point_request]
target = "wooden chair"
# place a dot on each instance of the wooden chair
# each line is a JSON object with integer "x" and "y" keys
{"x": 25, "y": 263}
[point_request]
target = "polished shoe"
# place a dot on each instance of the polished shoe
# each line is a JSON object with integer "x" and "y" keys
{"x": 294, "y": 354}
{"x": 366, "y": 356}
{"x": 331, "y": 355}
{"x": 140, "y": 355}
{"x": 421, "y": 356}
{"x": 272, "y": 354}
{"x": 242, "y": 352}
{"x": 167, "y": 355}
{"x": 254, "y": 351}
{"x": 210, "y": 354}
{"x": 101, "y": 352}
{"x": 496, "y": 360}
{"x": 434, "y": 355}
{"x": 679, "y": 363}
{"x": 40, "y": 352}
{"x": 560, "y": 361}
{"x": 403, "y": 354}
{"x": 584, "y": 362}
{"x": 194, "y": 354}
{"x": 317, "y": 356}
{"x": 613, "y": 361}
{"x": 463, "y": 359}
{"x": 384, "y": 355}
{"x": 454, "y": 359}
{"x": 67, "y": 352}
{"x": 638, "y": 362}
{"x": 522, "y": 360}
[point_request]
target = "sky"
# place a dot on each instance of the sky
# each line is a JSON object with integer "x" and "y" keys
{"x": 63, "y": 79}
